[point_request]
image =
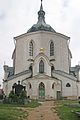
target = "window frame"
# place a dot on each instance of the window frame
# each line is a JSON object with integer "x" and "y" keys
{"x": 31, "y": 48}
{"x": 51, "y": 48}
{"x": 41, "y": 66}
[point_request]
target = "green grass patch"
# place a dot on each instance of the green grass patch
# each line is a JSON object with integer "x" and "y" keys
{"x": 33, "y": 104}
{"x": 14, "y": 112}
{"x": 11, "y": 113}
{"x": 66, "y": 111}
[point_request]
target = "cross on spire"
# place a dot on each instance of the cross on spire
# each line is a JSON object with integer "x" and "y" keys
{"x": 41, "y": 8}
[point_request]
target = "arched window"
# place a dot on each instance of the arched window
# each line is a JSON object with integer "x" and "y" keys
{"x": 41, "y": 86}
{"x": 68, "y": 85}
{"x": 30, "y": 67}
{"x": 30, "y": 86}
{"x": 53, "y": 85}
{"x": 51, "y": 48}
{"x": 31, "y": 48}
{"x": 41, "y": 67}
{"x": 52, "y": 68}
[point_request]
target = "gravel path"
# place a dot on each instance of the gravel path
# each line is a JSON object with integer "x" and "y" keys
{"x": 44, "y": 112}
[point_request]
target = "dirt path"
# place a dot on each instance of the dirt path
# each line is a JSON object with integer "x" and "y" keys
{"x": 44, "y": 112}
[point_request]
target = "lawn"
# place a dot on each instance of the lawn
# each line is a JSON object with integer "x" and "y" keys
{"x": 14, "y": 112}
{"x": 66, "y": 111}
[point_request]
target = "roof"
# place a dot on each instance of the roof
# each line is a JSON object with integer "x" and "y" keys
{"x": 37, "y": 32}
{"x": 64, "y": 74}
{"x": 41, "y": 24}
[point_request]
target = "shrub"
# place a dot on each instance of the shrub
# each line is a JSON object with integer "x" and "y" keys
{"x": 15, "y": 99}
{"x": 11, "y": 94}
{"x": 23, "y": 94}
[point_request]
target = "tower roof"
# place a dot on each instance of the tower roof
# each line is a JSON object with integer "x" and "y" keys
{"x": 41, "y": 24}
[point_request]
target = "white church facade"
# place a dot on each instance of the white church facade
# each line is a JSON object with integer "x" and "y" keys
{"x": 42, "y": 63}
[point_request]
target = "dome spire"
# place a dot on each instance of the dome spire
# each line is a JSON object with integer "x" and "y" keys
{"x": 41, "y": 8}
{"x": 41, "y": 24}
{"x": 41, "y": 14}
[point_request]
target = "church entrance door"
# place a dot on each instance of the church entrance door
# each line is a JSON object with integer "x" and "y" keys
{"x": 41, "y": 90}
{"x": 59, "y": 95}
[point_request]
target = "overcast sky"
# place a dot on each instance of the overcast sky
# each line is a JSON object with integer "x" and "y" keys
{"x": 17, "y": 16}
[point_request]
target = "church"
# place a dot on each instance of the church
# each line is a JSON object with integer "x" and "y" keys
{"x": 42, "y": 63}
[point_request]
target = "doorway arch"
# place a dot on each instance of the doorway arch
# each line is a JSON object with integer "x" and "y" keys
{"x": 41, "y": 90}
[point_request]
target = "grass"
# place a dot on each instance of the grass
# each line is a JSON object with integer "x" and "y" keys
{"x": 33, "y": 104}
{"x": 14, "y": 112}
{"x": 66, "y": 112}
{"x": 8, "y": 112}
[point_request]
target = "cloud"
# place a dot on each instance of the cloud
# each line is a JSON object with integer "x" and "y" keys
{"x": 65, "y": 3}
{"x": 2, "y": 15}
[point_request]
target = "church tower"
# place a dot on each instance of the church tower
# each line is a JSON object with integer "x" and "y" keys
{"x": 41, "y": 43}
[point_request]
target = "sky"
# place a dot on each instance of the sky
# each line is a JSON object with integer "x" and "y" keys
{"x": 17, "y": 16}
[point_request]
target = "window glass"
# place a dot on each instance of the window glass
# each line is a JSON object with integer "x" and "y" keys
{"x": 41, "y": 67}
{"x": 31, "y": 48}
{"x": 51, "y": 48}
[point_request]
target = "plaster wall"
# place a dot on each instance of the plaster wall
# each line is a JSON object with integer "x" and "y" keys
{"x": 42, "y": 40}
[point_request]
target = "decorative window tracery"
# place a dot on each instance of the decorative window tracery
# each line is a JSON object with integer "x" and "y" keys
{"x": 51, "y": 48}
{"x": 68, "y": 85}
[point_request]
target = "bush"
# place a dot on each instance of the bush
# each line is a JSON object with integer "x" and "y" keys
{"x": 23, "y": 94}
{"x": 14, "y": 99}
{"x": 11, "y": 94}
